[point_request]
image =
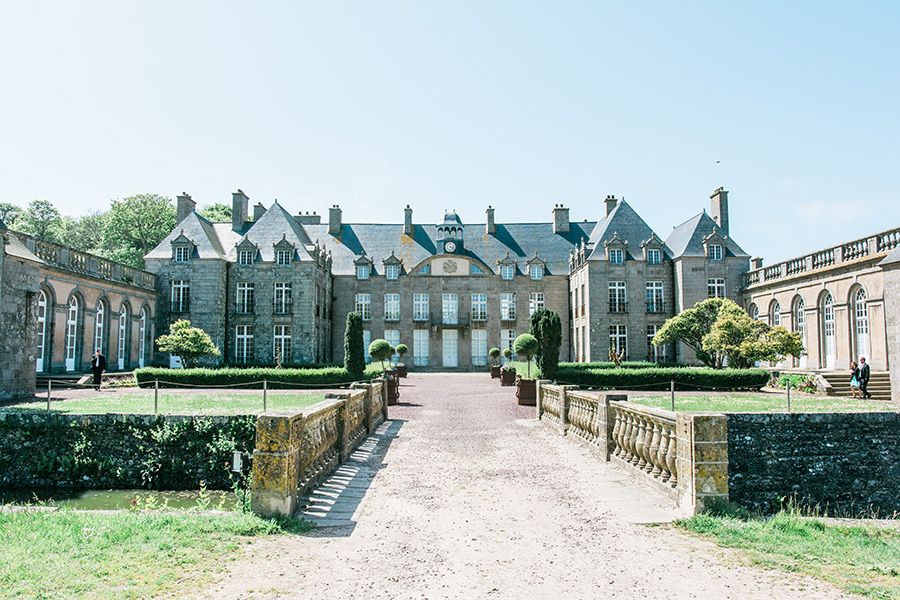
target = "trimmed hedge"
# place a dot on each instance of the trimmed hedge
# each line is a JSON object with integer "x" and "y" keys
{"x": 288, "y": 378}
{"x": 624, "y": 365}
{"x": 659, "y": 378}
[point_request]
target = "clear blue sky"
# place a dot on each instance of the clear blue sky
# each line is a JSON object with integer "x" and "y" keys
{"x": 374, "y": 105}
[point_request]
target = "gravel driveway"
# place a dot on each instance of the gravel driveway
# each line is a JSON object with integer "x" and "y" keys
{"x": 465, "y": 495}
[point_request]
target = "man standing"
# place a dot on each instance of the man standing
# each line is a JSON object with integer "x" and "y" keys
{"x": 864, "y": 377}
{"x": 98, "y": 366}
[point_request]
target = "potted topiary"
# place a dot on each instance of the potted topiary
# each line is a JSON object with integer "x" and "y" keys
{"x": 507, "y": 372}
{"x": 391, "y": 368}
{"x": 381, "y": 350}
{"x": 495, "y": 368}
{"x": 401, "y": 366}
{"x": 526, "y": 345}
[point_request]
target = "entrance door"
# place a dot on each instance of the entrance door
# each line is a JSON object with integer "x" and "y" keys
{"x": 451, "y": 348}
{"x": 828, "y": 326}
{"x": 71, "y": 328}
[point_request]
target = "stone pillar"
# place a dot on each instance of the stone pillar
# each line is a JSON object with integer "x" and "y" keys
{"x": 276, "y": 462}
{"x": 344, "y": 433}
{"x": 608, "y": 423}
{"x": 702, "y": 462}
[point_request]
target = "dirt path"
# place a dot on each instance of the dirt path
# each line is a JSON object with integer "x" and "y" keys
{"x": 467, "y": 496}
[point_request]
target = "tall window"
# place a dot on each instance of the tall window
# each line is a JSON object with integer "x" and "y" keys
{"x": 364, "y": 307}
{"x": 282, "y": 343}
{"x": 245, "y": 258}
{"x": 507, "y": 271}
{"x": 618, "y": 339}
{"x": 655, "y": 302}
{"x": 507, "y": 338}
{"x": 775, "y": 316}
{"x": 392, "y": 271}
{"x": 479, "y": 307}
{"x": 420, "y": 347}
{"x": 616, "y": 256}
{"x": 800, "y": 319}
{"x": 142, "y": 342}
{"x": 861, "y": 311}
{"x": 617, "y": 300}
{"x": 655, "y": 353}
{"x": 479, "y": 347}
{"x": 367, "y": 339}
{"x": 507, "y": 307}
{"x": 715, "y": 252}
{"x": 42, "y": 331}
{"x": 181, "y": 295}
{"x": 420, "y": 307}
{"x": 392, "y": 337}
{"x": 450, "y": 309}
{"x": 392, "y": 307}
{"x": 71, "y": 330}
{"x": 828, "y": 328}
{"x": 243, "y": 343}
{"x": 654, "y": 256}
{"x": 535, "y": 302}
{"x": 245, "y": 299}
{"x": 182, "y": 254}
{"x": 283, "y": 302}
{"x": 715, "y": 287}
{"x": 362, "y": 271}
{"x": 283, "y": 258}
{"x": 99, "y": 323}
{"x": 123, "y": 331}
{"x": 537, "y": 272}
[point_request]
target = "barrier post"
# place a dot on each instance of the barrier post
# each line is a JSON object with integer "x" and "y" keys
{"x": 49, "y": 385}
{"x": 672, "y": 388}
{"x": 156, "y": 396}
{"x": 265, "y": 390}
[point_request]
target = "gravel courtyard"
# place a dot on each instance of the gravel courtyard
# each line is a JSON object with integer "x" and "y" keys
{"x": 464, "y": 495}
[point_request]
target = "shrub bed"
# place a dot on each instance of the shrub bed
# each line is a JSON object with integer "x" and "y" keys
{"x": 249, "y": 378}
{"x": 624, "y": 365}
{"x": 659, "y": 378}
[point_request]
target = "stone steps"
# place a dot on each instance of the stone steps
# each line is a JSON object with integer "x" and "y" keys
{"x": 879, "y": 384}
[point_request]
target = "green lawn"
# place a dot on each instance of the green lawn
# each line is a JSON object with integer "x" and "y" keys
{"x": 122, "y": 555}
{"x": 208, "y": 402}
{"x": 758, "y": 402}
{"x": 859, "y": 559}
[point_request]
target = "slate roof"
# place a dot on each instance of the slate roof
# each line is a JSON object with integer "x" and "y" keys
{"x": 15, "y": 247}
{"x": 211, "y": 239}
{"x": 630, "y": 227}
{"x": 276, "y": 224}
{"x": 891, "y": 259}
{"x": 687, "y": 238}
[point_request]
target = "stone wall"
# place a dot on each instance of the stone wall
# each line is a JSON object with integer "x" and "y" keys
{"x": 18, "y": 287}
{"x": 892, "y": 325}
{"x": 120, "y": 451}
{"x": 845, "y": 462}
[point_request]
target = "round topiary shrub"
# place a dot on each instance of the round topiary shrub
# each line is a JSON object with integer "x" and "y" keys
{"x": 526, "y": 345}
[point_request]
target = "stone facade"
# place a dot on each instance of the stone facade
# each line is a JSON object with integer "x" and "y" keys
{"x": 19, "y": 283}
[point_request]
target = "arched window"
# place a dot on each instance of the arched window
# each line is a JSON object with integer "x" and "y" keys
{"x": 828, "y": 331}
{"x": 861, "y": 312}
{"x": 142, "y": 343}
{"x": 99, "y": 324}
{"x": 754, "y": 312}
{"x": 71, "y": 333}
{"x": 775, "y": 314}
{"x": 800, "y": 326}
{"x": 123, "y": 324}
{"x": 42, "y": 318}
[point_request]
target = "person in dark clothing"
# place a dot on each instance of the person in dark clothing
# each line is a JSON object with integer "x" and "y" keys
{"x": 98, "y": 367}
{"x": 864, "y": 377}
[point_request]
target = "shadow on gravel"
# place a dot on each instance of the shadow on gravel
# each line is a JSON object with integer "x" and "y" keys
{"x": 333, "y": 504}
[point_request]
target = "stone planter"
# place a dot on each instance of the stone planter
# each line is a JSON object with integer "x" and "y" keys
{"x": 402, "y": 371}
{"x": 526, "y": 391}
{"x": 495, "y": 372}
{"x": 508, "y": 377}
{"x": 390, "y": 373}
{"x": 393, "y": 389}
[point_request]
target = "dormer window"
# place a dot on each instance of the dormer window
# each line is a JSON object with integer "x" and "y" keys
{"x": 245, "y": 258}
{"x": 654, "y": 256}
{"x": 507, "y": 271}
{"x": 715, "y": 252}
{"x": 537, "y": 272}
{"x": 392, "y": 271}
{"x": 362, "y": 271}
{"x": 283, "y": 258}
{"x": 182, "y": 253}
{"x": 616, "y": 256}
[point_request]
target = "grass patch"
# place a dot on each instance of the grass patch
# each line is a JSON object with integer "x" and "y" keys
{"x": 122, "y": 555}
{"x": 757, "y": 402}
{"x": 858, "y": 559}
{"x": 174, "y": 402}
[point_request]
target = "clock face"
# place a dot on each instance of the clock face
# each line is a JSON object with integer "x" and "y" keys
{"x": 450, "y": 247}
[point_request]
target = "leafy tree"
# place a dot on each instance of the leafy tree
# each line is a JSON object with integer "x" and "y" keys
{"x": 507, "y": 354}
{"x": 40, "y": 219}
{"x": 137, "y": 225}
{"x": 85, "y": 233}
{"x": 354, "y": 357}
{"x": 526, "y": 345}
{"x": 401, "y": 350}
{"x": 217, "y": 213}
{"x": 495, "y": 354}
{"x": 381, "y": 350}
{"x": 9, "y": 213}
{"x": 547, "y": 328}
{"x": 187, "y": 343}
{"x": 692, "y": 325}
{"x": 744, "y": 341}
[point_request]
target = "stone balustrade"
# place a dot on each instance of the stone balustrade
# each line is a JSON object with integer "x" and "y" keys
{"x": 296, "y": 451}
{"x": 646, "y": 439}
{"x": 873, "y": 246}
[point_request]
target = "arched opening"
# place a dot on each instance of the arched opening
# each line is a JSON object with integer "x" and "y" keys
{"x": 861, "y": 325}
{"x": 71, "y": 333}
{"x": 100, "y": 326}
{"x": 123, "y": 330}
{"x": 775, "y": 313}
{"x": 754, "y": 312}
{"x": 828, "y": 332}
{"x": 800, "y": 326}
{"x": 42, "y": 318}
{"x": 142, "y": 343}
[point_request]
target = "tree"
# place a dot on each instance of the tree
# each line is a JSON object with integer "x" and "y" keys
{"x": 547, "y": 328}
{"x": 744, "y": 341}
{"x": 401, "y": 350}
{"x": 217, "y": 213}
{"x": 526, "y": 345}
{"x": 380, "y": 350}
{"x": 495, "y": 354}
{"x": 187, "y": 343}
{"x": 40, "y": 219}
{"x": 693, "y": 324}
{"x": 354, "y": 357}
{"x": 85, "y": 233}
{"x": 9, "y": 213}
{"x": 136, "y": 226}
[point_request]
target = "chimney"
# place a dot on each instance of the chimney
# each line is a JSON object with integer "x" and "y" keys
{"x": 184, "y": 207}
{"x": 720, "y": 209}
{"x": 610, "y": 204}
{"x": 238, "y": 210}
{"x": 258, "y": 211}
{"x": 490, "y": 227}
{"x": 309, "y": 218}
{"x": 756, "y": 263}
{"x": 407, "y": 221}
{"x": 560, "y": 219}
{"x": 334, "y": 220}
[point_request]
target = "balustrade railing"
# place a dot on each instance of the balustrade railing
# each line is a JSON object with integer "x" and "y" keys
{"x": 646, "y": 440}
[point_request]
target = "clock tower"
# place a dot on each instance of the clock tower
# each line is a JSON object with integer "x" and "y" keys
{"x": 450, "y": 234}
